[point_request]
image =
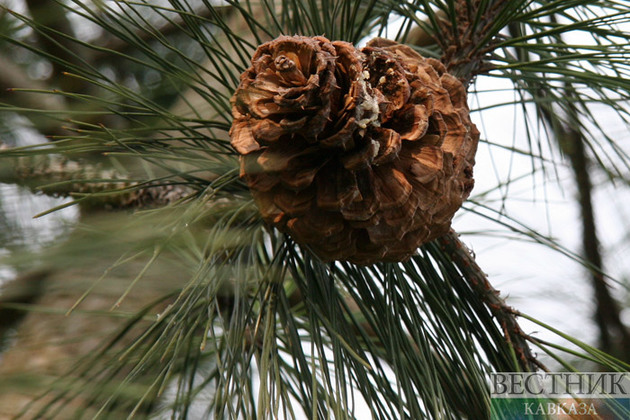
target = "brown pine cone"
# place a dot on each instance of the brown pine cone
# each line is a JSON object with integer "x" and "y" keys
{"x": 361, "y": 155}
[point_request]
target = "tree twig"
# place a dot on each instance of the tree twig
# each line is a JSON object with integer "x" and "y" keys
{"x": 504, "y": 314}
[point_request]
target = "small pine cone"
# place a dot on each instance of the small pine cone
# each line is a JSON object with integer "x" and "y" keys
{"x": 362, "y": 155}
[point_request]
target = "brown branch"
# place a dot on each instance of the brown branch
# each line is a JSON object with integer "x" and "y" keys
{"x": 614, "y": 335}
{"x": 504, "y": 314}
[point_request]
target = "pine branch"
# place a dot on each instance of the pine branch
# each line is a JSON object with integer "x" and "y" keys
{"x": 90, "y": 184}
{"x": 397, "y": 310}
{"x": 505, "y": 315}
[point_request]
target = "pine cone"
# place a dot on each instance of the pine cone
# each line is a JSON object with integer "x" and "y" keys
{"x": 361, "y": 155}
